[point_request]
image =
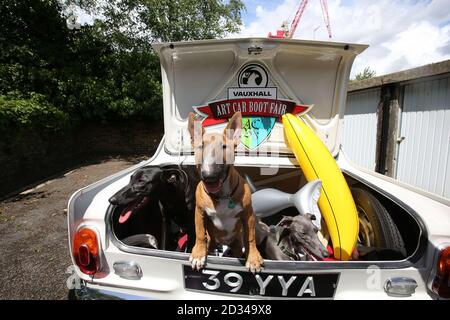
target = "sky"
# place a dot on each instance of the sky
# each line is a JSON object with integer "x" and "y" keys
{"x": 402, "y": 34}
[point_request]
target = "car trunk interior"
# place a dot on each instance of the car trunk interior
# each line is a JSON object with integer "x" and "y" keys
{"x": 149, "y": 221}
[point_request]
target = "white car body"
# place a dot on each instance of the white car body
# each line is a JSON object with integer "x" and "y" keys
{"x": 327, "y": 73}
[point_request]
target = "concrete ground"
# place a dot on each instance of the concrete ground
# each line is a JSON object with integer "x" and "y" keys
{"x": 34, "y": 254}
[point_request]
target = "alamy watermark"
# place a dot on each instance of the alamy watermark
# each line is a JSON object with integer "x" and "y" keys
{"x": 73, "y": 281}
{"x": 221, "y": 154}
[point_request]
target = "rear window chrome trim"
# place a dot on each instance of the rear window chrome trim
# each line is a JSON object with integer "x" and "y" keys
{"x": 246, "y": 153}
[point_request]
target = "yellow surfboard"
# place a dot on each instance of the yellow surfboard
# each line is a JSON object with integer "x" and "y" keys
{"x": 336, "y": 202}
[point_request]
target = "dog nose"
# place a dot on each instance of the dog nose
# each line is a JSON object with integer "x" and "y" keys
{"x": 209, "y": 175}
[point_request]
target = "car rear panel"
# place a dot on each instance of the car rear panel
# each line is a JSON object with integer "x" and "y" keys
{"x": 162, "y": 271}
{"x": 163, "y": 278}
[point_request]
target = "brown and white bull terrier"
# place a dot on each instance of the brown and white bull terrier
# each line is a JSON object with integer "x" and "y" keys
{"x": 223, "y": 211}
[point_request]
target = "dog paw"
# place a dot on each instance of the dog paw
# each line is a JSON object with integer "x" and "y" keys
{"x": 197, "y": 259}
{"x": 254, "y": 262}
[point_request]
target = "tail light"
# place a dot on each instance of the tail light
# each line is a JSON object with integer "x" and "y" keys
{"x": 441, "y": 282}
{"x": 86, "y": 251}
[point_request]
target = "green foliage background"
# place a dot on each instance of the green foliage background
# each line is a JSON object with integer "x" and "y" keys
{"x": 53, "y": 78}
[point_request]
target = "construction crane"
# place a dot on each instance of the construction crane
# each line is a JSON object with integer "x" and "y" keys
{"x": 285, "y": 32}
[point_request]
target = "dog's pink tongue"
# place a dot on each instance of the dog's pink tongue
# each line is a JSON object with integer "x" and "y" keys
{"x": 124, "y": 217}
{"x": 213, "y": 187}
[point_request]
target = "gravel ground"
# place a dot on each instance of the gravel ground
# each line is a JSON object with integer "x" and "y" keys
{"x": 34, "y": 253}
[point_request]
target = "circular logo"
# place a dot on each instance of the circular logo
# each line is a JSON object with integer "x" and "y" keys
{"x": 253, "y": 75}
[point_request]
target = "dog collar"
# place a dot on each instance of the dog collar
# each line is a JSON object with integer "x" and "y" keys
{"x": 231, "y": 202}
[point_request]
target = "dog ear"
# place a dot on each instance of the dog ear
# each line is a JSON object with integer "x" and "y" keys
{"x": 234, "y": 128}
{"x": 286, "y": 222}
{"x": 195, "y": 128}
{"x": 172, "y": 178}
{"x": 168, "y": 176}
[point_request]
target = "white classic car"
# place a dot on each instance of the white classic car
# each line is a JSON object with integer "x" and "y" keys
{"x": 262, "y": 78}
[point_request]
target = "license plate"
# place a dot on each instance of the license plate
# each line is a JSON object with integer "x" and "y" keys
{"x": 301, "y": 285}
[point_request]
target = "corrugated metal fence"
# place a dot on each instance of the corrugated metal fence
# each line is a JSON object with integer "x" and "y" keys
{"x": 423, "y": 153}
{"x": 360, "y": 127}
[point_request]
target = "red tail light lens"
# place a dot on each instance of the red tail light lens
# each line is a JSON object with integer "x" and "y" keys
{"x": 86, "y": 251}
{"x": 441, "y": 283}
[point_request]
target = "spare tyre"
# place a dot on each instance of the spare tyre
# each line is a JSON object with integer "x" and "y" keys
{"x": 376, "y": 227}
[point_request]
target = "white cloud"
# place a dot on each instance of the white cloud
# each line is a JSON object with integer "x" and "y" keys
{"x": 401, "y": 34}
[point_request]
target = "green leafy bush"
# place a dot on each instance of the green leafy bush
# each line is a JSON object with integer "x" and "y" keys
{"x": 33, "y": 112}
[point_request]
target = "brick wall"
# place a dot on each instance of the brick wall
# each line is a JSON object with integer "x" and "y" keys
{"x": 34, "y": 156}
{"x": 126, "y": 138}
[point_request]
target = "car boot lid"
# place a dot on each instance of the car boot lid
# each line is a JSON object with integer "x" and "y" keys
{"x": 263, "y": 78}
